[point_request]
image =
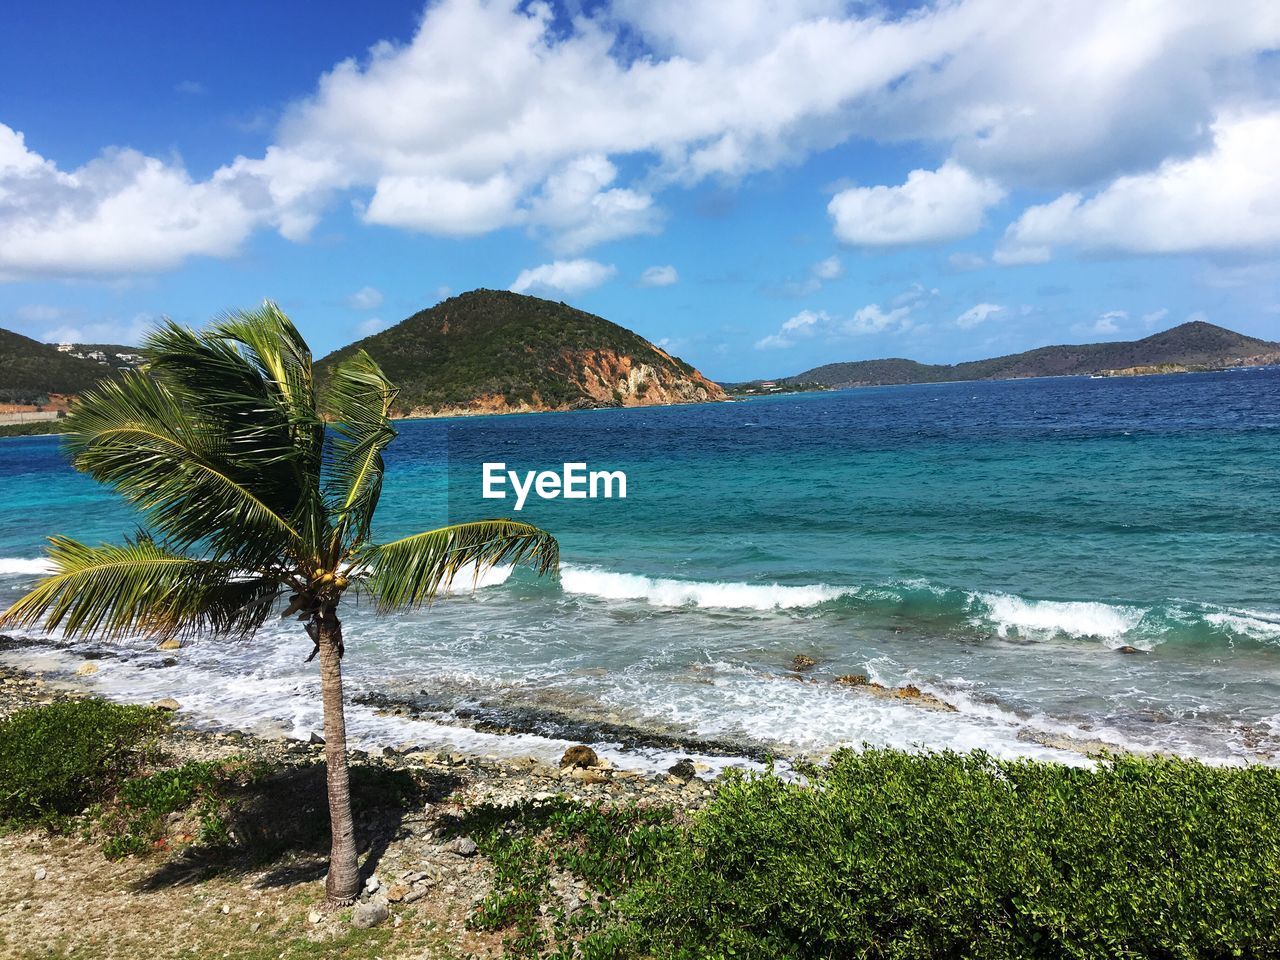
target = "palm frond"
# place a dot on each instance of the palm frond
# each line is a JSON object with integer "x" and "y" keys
{"x": 274, "y": 345}
{"x": 359, "y": 399}
{"x": 409, "y": 572}
{"x": 162, "y": 453}
{"x": 229, "y": 387}
{"x": 141, "y": 588}
{"x": 267, "y": 340}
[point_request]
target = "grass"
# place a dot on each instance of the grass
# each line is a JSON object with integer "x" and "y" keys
{"x": 192, "y": 926}
{"x": 251, "y": 835}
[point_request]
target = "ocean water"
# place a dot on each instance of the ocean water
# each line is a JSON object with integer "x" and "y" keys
{"x": 994, "y": 544}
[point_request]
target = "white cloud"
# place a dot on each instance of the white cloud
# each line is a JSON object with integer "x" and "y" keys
{"x": 564, "y": 276}
{"x": 499, "y": 114}
{"x": 1154, "y": 318}
{"x": 870, "y": 319}
{"x": 873, "y": 319}
{"x": 122, "y": 212}
{"x": 444, "y": 205}
{"x": 504, "y": 115}
{"x": 829, "y": 269}
{"x": 371, "y": 326}
{"x": 932, "y": 205}
{"x": 575, "y": 207}
{"x": 978, "y": 313}
{"x": 819, "y": 273}
{"x": 1226, "y": 198}
{"x": 1012, "y": 255}
{"x": 366, "y": 298}
{"x": 659, "y": 276}
{"x": 774, "y": 341}
{"x": 707, "y": 28}
{"x": 1107, "y": 323}
{"x": 804, "y": 324}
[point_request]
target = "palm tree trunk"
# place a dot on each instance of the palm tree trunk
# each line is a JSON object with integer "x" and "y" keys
{"x": 343, "y": 883}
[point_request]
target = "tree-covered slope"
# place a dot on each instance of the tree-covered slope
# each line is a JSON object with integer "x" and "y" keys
{"x": 1196, "y": 345}
{"x": 496, "y": 351}
{"x": 31, "y": 370}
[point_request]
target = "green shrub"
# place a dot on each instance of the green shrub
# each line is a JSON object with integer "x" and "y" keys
{"x": 885, "y": 854}
{"x": 943, "y": 855}
{"x": 57, "y": 759}
{"x": 607, "y": 847}
{"x": 136, "y": 819}
{"x": 35, "y": 428}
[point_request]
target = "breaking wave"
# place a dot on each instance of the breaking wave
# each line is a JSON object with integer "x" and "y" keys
{"x": 944, "y": 610}
{"x": 11, "y": 566}
{"x": 712, "y": 595}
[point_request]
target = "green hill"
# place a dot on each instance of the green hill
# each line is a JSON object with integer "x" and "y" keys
{"x": 1191, "y": 346}
{"x": 31, "y": 370}
{"x": 492, "y": 351}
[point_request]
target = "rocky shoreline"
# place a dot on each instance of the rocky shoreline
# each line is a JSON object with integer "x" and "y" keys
{"x": 484, "y": 778}
{"x": 422, "y": 876}
{"x": 562, "y": 721}
{"x": 556, "y": 720}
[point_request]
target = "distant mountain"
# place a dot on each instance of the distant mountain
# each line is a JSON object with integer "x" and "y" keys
{"x": 492, "y": 351}
{"x": 30, "y": 370}
{"x": 1191, "y": 346}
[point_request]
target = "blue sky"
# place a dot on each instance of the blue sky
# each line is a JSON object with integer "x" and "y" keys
{"x": 759, "y": 186}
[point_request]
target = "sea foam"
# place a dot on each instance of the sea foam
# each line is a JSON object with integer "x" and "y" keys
{"x": 1074, "y": 618}
{"x": 468, "y": 578}
{"x": 10, "y": 566}
{"x": 1247, "y": 623}
{"x": 714, "y": 595}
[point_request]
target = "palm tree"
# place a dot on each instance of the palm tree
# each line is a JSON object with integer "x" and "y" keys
{"x": 221, "y": 444}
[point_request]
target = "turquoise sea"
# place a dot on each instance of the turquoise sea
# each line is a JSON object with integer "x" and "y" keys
{"x": 995, "y": 544}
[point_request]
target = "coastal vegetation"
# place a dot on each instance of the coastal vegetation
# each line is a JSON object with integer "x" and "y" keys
{"x": 485, "y": 351}
{"x": 222, "y": 445}
{"x": 753, "y": 388}
{"x": 889, "y": 854}
{"x": 493, "y": 350}
{"x": 1194, "y": 345}
{"x": 35, "y": 428}
{"x": 877, "y": 853}
{"x": 31, "y": 370}
{"x": 57, "y": 759}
